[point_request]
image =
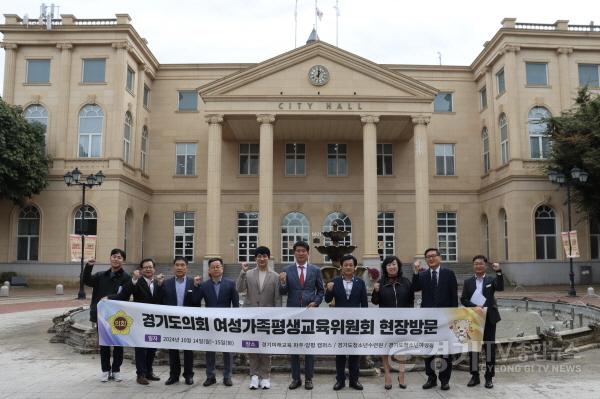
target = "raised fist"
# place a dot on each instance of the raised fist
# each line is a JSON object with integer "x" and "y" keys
{"x": 283, "y": 278}
{"x": 91, "y": 261}
{"x": 496, "y": 266}
{"x": 160, "y": 278}
{"x": 376, "y": 287}
{"x": 197, "y": 280}
{"x": 244, "y": 267}
{"x": 417, "y": 266}
{"x": 135, "y": 275}
{"x": 330, "y": 286}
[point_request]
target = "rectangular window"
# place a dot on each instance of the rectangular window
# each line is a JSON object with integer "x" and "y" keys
{"x": 337, "y": 160}
{"x": 247, "y": 226}
{"x": 589, "y": 75}
{"x": 249, "y": 154}
{"x": 94, "y": 70}
{"x": 295, "y": 159}
{"x": 385, "y": 234}
{"x": 503, "y": 140}
{"x": 444, "y": 159}
{"x": 186, "y": 159}
{"x": 443, "y": 102}
{"x": 500, "y": 81}
{"x": 38, "y": 71}
{"x": 146, "y": 96}
{"x": 447, "y": 235}
{"x": 486, "y": 151}
{"x": 130, "y": 79}
{"x": 183, "y": 235}
{"x": 483, "y": 98}
{"x": 188, "y": 100}
{"x": 384, "y": 159}
{"x": 536, "y": 73}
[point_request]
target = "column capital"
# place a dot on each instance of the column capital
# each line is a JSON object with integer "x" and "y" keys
{"x": 121, "y": 45}
{"x": 420, "y": 120}
{"x": 64, "y": 46}
{"x": 511, "y": 48}
{"x": 265, "y": 118}
{"x": 213, "y": 119}
{"x": 564, "y": 50}
{"x": 369, "y": 119}
{"x": 8, "y": 46}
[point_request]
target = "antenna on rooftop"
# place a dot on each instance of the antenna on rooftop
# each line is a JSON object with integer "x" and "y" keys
{"x": 47, "y": 14}
{"x": 439, "y": 57}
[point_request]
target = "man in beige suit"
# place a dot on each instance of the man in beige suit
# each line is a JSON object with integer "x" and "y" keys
{"x": 261, "y": 287}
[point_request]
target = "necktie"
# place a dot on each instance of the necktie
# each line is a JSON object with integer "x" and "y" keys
{"x": 434, "y": 284}
{"x": 302, "y": 276}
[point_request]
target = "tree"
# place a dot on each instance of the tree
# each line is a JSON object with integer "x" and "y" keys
{"x": 23, "y": 161}
{"x": 575, "y": 136}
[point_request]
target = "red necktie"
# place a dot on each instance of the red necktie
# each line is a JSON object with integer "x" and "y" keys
{"x": 302, "y": 276}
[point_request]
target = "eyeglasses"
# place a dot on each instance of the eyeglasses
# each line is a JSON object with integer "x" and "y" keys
{"x": 431, "y": 256}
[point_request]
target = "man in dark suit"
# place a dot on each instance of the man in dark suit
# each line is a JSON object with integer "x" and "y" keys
{"x": 303, "y": 285}
{"x": 145, "y": 289}
{"x": 179, "y": 291}
{"x": 348, "y": 291}
{"x": 439, "y": 290}
{"x": 478, "y": 291}
{"x": 217, "y": 292}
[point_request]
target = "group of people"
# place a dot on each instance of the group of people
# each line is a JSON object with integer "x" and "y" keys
{"x": 303, "y": 285}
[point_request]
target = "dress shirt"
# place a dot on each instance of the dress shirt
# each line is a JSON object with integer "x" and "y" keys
{"x": 180, "y": 290}
{"x": 348, "y": 287}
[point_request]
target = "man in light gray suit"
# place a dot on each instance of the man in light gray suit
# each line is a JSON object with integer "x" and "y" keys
{"x": 303, "y": 285}
{"x": 261, "y": 287}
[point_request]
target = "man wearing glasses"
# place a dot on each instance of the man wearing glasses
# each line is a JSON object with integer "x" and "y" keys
{"x": 439, "y": 290}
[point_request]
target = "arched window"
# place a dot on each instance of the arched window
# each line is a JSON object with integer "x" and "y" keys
{"x": 503, "y": 125}
{"x": 91, "y": 120}
{"x": 91, "y": 221}
{"x": 294, "y": 227}
{"x": 485, "y": 231}
{"x": 545, "y": 233}
{"x": 485, "y": 138}
{"x": 127, "y": 136}
{"x": 537, "y": 125}
{"x": 504, "y": 233}
{"x": 37, "y": 113}
{"x": 144, "y": 149}
{"x": 343, "y": 223}
{"x": 595, "y": 238}
{"x": 28, "y": 233}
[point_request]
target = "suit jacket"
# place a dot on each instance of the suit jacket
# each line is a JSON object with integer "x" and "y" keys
{"x": 104, "y": 283}
{"x": 169, "y": 292}
{"x": 269, "y": 295}
{"x": 358, "y": 294}
{"x": 228, "y": 295}
{"x": 490, "y": 286}
{"x": 140, "y": 291}
{"x": 447, "y": 289}
{"x": 299, "y": 296}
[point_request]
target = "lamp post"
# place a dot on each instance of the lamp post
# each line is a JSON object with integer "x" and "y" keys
{"x": 577, "y": 176}
{"x": 73, "y": 178}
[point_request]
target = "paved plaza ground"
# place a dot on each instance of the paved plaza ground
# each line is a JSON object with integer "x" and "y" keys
{"x": 34, "y": 368}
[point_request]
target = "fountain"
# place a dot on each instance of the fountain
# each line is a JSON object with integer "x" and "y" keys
{"x": 335, "y": 251}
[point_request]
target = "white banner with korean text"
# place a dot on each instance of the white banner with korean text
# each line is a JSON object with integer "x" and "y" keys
{"x": 322, "y": 331}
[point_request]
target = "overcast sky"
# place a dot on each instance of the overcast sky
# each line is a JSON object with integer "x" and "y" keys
{"x": 384, "y": 31}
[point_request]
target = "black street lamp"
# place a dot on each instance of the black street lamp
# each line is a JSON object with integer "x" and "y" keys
{"x": 73, "y": 178}
{"x": 577, "y": 176}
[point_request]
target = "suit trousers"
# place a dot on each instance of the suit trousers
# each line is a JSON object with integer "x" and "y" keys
{"x": 260, "y": 365}
{"x": 211, "y": 360}
{"x": 144, "y": 357}
{"x": 489, "y": 346}
{"x": 446, "y": 370}
{"x": 340, "y": 368}
{"x": 309, "y": 366}
{"x": 117, "y": 354}
{"x": 175, "y": 364}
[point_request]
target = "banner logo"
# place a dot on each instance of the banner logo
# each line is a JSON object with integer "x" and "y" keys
{"x": 120, "y": 323}
{"x": 462, "y": 330}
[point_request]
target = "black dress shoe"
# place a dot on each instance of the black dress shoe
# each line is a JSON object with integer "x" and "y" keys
{"x": 337, "y": 386}
{"x": 189, "y": 381}
{"x": 445, "y": 386}
{"x": 430, "y": 383}
{"x": 308, "y": 385}
{"x": 488, "y": 383}
{"x": 474, "y": 381}
{"x": 171, "y": 381}
{"x": 227, "y": 382}
{"x": 152, "y": 377}
{"x": 209, "y": 381}
{"x": 356, "y": 385}
{"x": 295, "y": 384}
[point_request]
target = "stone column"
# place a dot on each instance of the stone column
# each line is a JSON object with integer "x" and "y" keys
{"x": 421, "y": 184}
{"x": 61, "y": 131}
{"x": 563, "y": 77}
{"x": 265, "y": 181}
{"x": 370, "y": 255}
{"x": 213, "y": 186}
{"x": 513, "y": 112}
{"x": 10, "y": 63}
